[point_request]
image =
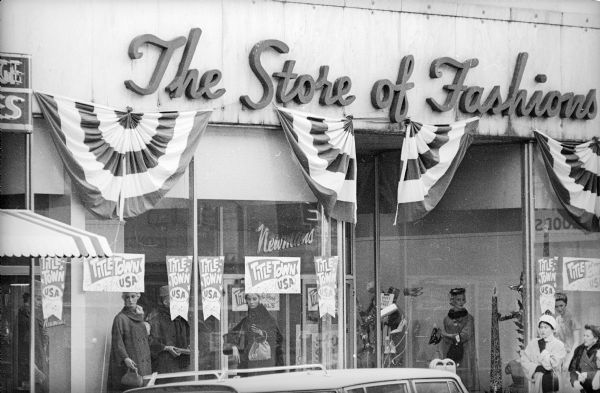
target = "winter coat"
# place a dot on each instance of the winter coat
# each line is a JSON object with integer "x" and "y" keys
{"x": 166, "y": 332}
{"x": 549, "y": 360}
{"x": 462, "y": 324}
{"x": 129, "y": 340}
{"x": 584, "y": 360}
{"x": 242, "y": 337}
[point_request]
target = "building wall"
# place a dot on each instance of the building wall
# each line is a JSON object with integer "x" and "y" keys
{"x": 79, "y": 50}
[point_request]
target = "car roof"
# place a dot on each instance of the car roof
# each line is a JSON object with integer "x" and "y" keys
{"x": 314, "y": 379}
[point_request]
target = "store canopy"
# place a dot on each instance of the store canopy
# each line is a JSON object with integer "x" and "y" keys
{"x": 24, "y": 233}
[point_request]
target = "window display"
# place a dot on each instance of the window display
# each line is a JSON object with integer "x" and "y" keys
{"x": 471, "y": 243}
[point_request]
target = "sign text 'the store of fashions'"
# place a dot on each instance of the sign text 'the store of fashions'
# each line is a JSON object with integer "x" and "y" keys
{"x": 287, "y": 86}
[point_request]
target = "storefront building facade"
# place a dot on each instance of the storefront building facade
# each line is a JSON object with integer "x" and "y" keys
{"x": 497, "y": 233}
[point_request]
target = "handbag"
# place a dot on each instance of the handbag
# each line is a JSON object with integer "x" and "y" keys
{"x": 260, "y": 351}
{"x": 435, "y": 336}
{"x": 455, "y": 352}
{"x": 132, "y": 379}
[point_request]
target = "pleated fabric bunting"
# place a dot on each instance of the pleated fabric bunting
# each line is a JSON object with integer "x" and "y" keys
{"x": 121, "y": 163}
{"x": 574, "y": 172}
{"x": 429, "y": 157}
{"x": 326, "y": 152}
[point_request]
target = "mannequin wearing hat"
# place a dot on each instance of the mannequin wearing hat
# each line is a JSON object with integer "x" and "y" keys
{"x": 542, "y": 358}
{"x": 458, "y": 341}
{"x": 169, "y": 339}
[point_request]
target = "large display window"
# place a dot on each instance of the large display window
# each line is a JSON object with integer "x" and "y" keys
{"x": 566, "y": 270}
{"x": 443, "y": 272}
{"x": 240, "y": 231}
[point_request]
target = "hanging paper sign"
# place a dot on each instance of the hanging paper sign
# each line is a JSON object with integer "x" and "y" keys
{"x": 211, "y": 282}
{"x": 386, "y": 300}
{"x": 546, "y": 280}
{"x": 270, "y": 301}
{"x": 272, "y": 275}
{"x": 312, "y": 298}
{"x": 179, "y": 274}
{"x": 238, "y": 302}
{"x": 53, "y": 286}
{"x": 326, "y": 270}
{"x": 581, "y": 274}
{"x": 119, "y": 273}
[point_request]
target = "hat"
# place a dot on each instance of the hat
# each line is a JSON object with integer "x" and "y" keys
{"x": 457, "y": 291}
{"x": 594, "y": 329}
{"x": 549, "y": 319}
{"x": 560, "y": 296}
{"x": 163, "y": 291}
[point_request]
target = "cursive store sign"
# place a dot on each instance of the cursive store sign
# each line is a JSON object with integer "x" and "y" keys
{"x": 287, "y": 86}
{"x": 269, "y": 242}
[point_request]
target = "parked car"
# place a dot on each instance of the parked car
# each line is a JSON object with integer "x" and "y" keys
{"x": 301, "y": 380}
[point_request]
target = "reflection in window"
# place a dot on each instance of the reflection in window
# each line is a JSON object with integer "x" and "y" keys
{"x": 566, "y": 265}
{"x": 390, "y": 388}
{"x": 432, "y": 387}
{"x": 472, "y": 240}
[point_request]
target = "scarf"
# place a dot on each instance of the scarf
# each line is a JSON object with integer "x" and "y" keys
{"x": 134, "y": 316}
{"x": 457, "y": 314}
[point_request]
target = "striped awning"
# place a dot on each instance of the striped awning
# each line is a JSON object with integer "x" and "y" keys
{"x": 24, "y": 233}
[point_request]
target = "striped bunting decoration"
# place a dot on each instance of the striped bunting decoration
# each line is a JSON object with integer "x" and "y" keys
{"x": 121, "y": 163}
{"x": 574, "y": 172}
{"x": 428, "y": 160}
{"x": 325, "y": 150}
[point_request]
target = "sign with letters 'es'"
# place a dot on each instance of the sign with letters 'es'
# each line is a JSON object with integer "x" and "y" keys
{"x": 15, "y": 92}
{"x": 272, "y": 275}
{"x": 119, "y": 273}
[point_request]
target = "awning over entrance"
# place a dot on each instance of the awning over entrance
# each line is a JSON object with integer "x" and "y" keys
{"x": 24, "y": 233}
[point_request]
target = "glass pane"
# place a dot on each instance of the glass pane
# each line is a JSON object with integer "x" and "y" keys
{"x": 431, "y": 387}
{"x": 471, "y": 242}
{"x": 164, "y": 233}
{"x": 567, "y": 268}
{"x": 15, "y": 308}
{"x": 454, "y": 387}
{"x": 12, "y": 171}
{"x": 364, "y": 265}
{"x": 269, "y": 235}
{"x": 393, "y": 388}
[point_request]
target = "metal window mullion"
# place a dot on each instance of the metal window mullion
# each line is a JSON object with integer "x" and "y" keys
{"x": 529, "y": 234}
{"x": 342, "y": 293}
{"x": 195, "y": 269}
{"x": 377, "y": 253}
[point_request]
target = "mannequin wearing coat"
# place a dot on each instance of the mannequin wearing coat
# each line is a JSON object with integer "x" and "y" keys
{"x": 542, "y": 359}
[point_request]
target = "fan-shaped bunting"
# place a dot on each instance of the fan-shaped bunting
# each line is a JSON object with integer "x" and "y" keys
{"x": 121, "y": 162}
{"x": 574, "y": 172}
{"x": 429, "y": 157}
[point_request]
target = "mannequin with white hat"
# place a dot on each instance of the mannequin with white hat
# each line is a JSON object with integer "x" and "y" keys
{"x": 543, "y": 357}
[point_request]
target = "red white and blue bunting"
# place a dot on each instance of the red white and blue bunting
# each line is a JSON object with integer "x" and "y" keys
{"x": 574, "y": 172}
{"x": 429, "y": 157}
{"x": 121, "y": 163}
{"x": 326, "y": 152}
